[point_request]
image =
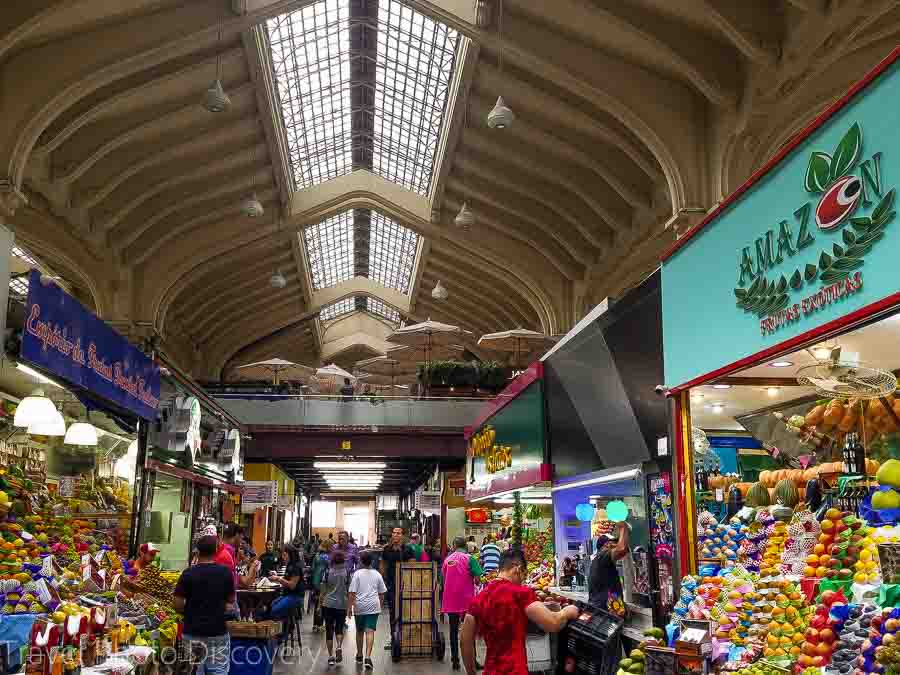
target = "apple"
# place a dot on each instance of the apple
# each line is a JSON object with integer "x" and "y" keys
{"x": 811, "y": 635}
{"x": 808, "y": 648}
{"x": 827, "y": 635}
{"x": 818, "y": 661}
{"x": 828, "y": 526}
{"x": 828, "y": 597}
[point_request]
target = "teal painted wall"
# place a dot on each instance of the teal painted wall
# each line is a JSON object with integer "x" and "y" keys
{"x": 703, "y": 329}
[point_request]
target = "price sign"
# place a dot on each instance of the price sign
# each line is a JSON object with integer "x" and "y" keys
{"x": 258, "y": 494}
{"x": 66, "y": 486}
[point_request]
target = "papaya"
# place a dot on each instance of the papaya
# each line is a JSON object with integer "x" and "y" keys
{"x": 637, "y": 655}
{"x": 625, "y": 664}
{"x": 786, "y": 493}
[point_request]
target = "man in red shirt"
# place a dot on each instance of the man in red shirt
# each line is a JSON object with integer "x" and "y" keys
{"x": 500, "y": 614}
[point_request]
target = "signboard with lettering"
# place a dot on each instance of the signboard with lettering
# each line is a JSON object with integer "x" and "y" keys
{"x": 808, "y": 242}
{"x": 258, "y": 494}
{"x": 61, "y": 336}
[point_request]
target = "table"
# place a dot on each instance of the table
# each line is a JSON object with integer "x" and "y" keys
{"x": 251, "y": 599}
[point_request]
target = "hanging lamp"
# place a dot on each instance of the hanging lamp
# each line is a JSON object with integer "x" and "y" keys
{"x": 501, "y": 116}
{"x": 439, "y": 292}
{"x": 215, "y": 100}
{"x": 465, "y": 218}
{"x": 81, "y": 433}
{"x": 252, "y": 207}
{"x": 55, "y": 425}
{"x": 34, "y": 408}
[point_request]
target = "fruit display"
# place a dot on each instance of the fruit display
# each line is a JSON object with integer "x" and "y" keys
{"x": 803, "y": 537}
{"x": 775, "y": 547}
{"x": 718, "y": 540}
{"x": 635, "y": 661}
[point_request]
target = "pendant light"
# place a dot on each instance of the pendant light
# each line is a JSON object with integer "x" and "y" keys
{"x": 216, "y": 100}
{"x": 252, "y": 207}
{"x": 501, "y": 116}
{"x": 439, "y": 292}
{"x": 81, "y": 433}
{"x": 277, "y": 280}
{"x": 465, "y": 218}
{"x": 52, "y": 426}
{"x": 34, "y": 408}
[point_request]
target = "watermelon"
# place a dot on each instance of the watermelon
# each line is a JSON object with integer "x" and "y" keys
{"x": 786, "y": 493}
{"x": 758, "y": 495}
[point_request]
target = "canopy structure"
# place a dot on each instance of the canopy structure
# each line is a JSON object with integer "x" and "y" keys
{"x": 429, "y": 336}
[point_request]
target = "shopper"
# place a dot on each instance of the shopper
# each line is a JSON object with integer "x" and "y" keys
{"x": 347, "y": 389}
{"x": 367, "y": 591}
{"x": 604, "y": 584}
{"x": 146, "y": 557}
{"x": 291, "y": 585}
{"x": 335, "y": 598}
{"x": 319, "y": 571}
{"x": 490, "y": 555}
{"x": 461, "y": 573}
{"x": 268, "y": 561}
{"x": 391, "y": 555}
{"x": 205, "y": 594}
{"x": 350, "y": 551}
{"x": 500, "y": 614}
{"x": 472, "y": 546}
{"x": 330, "y": 541}
{"x": 419, "y": 553}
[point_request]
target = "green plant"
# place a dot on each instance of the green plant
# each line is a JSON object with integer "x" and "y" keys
{"x": 492, "y": 375}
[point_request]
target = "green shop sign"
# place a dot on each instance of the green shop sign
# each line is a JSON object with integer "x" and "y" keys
{"x": 806, "y": 243}
{"x": 845, "y": 189}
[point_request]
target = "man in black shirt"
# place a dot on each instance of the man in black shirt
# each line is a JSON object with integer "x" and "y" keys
{"x": 204, "y": 593}
{"x": 395, "y": 552}
{"x": 604, "y": 582}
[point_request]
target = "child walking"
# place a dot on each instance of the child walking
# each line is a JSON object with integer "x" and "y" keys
{"x": 367, "y": 591}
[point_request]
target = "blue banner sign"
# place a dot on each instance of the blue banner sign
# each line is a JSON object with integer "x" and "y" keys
{"x": 64, "y": 338}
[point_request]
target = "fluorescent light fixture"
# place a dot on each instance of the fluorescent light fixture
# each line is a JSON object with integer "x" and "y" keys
{"x": 721, "y": 386}
{"x": 543, "y": 502}
{"x": 353, "y": 481}
{"x": 34, "y": 408}
{"x": 40, "y": 377}
{"x": 773, "y": 391}
{"x": 717, "y": 408}
{"x": 81, "y": 433}
{"x": 781, "y": 364}
{"x": 52, "y": 426}
{"x": 610, "y": 478}
{"x": 349, "y": 466}
{"x": 697, "y": 396}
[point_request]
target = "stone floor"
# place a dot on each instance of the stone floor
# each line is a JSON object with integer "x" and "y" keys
{"x": 314, "y": 656}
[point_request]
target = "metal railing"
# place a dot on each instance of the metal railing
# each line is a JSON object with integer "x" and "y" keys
{"x": 320, "y": 410}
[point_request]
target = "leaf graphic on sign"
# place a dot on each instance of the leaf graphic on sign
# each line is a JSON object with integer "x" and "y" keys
{"x": 810, "y": 272}
{"x": 847, "y": 152}
{"x": 818, "y": 173}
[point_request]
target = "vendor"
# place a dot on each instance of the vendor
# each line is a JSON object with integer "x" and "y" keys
{"x": 146, "y": 556}
{"x": 604, "y": 584}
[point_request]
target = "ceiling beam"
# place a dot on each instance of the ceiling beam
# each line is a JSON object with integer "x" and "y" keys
{"x": 259, "y": 299}
{"x": 753, "y": 32}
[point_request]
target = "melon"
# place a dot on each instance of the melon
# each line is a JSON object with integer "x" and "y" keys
{"x": 758, "y": 495}
{"x": 786, "y": 493}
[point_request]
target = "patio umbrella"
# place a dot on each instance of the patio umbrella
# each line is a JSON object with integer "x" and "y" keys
{"x": 334, "y": 371}
{"x": 384, "y": 365}
{"x": 515, "y": 341}
{"x": 412, "y": 356}
{"x": 274, "y": 367}
{"x": 427, "y": 336}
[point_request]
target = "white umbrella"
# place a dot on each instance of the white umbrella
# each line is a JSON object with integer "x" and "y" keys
{"x": 334, "y": 371}
{"x": 427, "y": 335}
{"x": 386, "y": 366}
{"x": 411, "y": 356}
{"x": 274, "y": 366}
{"x": 513, "y": 340}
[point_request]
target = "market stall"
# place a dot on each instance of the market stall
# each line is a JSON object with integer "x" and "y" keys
{"x": 791, "y": 549}
{"x": 507, "y": 474}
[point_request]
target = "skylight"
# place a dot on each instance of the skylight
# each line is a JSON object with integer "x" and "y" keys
{"x": 22, "y": 255}
{"x": 18, "y": 285}
{"x": 392, "y": 253}
{"x": 336, "y": 309}
{"x": 333, "y": 119}
{"x": 379, "y": 308}
{"x": 329, "y": 247}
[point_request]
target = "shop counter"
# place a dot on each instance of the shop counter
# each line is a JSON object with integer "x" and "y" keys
{"x": 569, "y": 594}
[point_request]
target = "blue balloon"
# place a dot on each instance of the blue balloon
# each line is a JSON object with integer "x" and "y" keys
{"x": 585, "y": 512}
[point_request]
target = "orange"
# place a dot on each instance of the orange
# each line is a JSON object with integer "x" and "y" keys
{"x": 819, "y": 549}
{"x": 813, "y": 559}
{"x": 809, "y": 571}
{"x": 821, "y": 571}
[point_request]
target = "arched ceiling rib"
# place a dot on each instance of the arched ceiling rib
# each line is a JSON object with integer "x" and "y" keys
{"x": 628, "y": 113}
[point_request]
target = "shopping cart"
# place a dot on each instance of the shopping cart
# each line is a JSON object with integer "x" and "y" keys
{"x": 417, "y": 634}
{"x": 591, "y": 644}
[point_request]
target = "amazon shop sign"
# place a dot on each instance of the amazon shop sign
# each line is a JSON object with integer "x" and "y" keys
{"x": 791, "y": 253}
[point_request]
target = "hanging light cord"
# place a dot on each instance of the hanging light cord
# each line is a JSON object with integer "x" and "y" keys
{"x": 218, "y": 53}
{"x": 500, "y": 37}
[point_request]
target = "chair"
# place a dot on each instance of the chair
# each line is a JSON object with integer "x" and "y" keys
{"x": 291, "y": 639}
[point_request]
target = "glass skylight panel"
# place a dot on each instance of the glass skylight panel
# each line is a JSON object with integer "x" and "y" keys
{"x": 22, "y": 255}
{"x": 415, "y": 67}
{"x": 392, "y": 253}
{"x": 379, "y": 308}
{"x": 311, "y": 59}
{"x": 18, "y": 286}
{"x": 336, "y": 309}
{"x": 329, "y": 247}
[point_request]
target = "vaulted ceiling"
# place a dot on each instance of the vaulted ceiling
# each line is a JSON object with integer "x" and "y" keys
{"x": 359, "y": 125}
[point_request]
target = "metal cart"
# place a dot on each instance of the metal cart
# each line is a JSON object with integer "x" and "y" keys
{"x": 417, "y": 633}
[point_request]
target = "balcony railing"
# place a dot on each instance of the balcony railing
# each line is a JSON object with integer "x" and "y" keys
{"x": 351, "y": 411}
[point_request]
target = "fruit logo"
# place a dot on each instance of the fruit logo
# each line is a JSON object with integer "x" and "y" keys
{"x": 828, "y": 174}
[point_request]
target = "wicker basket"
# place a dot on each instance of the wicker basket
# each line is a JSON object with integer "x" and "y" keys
{"x": 251, "y": 629}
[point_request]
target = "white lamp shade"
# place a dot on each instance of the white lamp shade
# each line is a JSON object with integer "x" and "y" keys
{"x": 215, "y": 99}
{"x": 81, "y": 433}
{"x": 53, "y": 426}
{"x": 34, "y": 408}
{"x": 465, "y": 218}
{"x": 501, "y": 116}
{"x": 439, "y": 292}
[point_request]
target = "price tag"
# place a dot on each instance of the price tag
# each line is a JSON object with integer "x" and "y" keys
{"x": 720, "y": 495}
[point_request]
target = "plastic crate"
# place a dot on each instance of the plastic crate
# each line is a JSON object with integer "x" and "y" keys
{"x": 592, "y": 644}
